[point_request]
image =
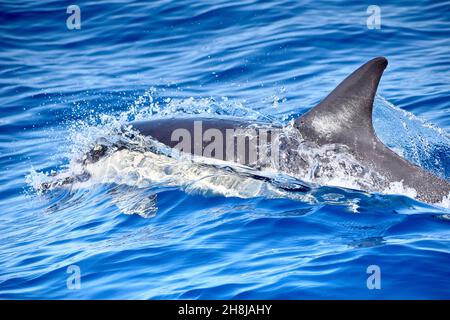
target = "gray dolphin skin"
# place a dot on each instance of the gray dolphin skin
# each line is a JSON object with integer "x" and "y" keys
{"x": 344, "y": 117}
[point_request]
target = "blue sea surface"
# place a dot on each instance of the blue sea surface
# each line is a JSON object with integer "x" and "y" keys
{"x": 60, "y": 87}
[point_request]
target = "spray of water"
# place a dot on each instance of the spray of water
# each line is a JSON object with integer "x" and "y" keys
{"x": 142, "y": 163}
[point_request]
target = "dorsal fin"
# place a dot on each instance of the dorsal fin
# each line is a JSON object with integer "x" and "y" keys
{"x": 345, "y": 115}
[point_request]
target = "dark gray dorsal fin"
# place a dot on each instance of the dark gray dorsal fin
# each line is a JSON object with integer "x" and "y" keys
{"x": 345, "y": 115}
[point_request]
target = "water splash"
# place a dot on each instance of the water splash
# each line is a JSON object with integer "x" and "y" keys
{"x": 412, "y": 137}
{"x": 145, "y": 163}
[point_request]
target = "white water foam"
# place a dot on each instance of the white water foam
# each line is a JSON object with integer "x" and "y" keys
{"x": 199, "y": 176}
{"x": 136, "y": 166}
{"x": 397, "y": 187}
{"x": 445, "y": 203}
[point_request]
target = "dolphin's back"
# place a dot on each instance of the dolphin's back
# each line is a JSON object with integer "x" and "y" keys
{"x": 164, "y": 130}
{"x": 222, "y": 139}
{"x": 345, "y": 117}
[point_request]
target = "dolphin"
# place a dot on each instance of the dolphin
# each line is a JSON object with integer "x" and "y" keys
{"x": 340, "y": 123}
{"x": 343, "y": 118}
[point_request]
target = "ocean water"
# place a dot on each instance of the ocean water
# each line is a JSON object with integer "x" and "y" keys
{"x": 203, "y": 232}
